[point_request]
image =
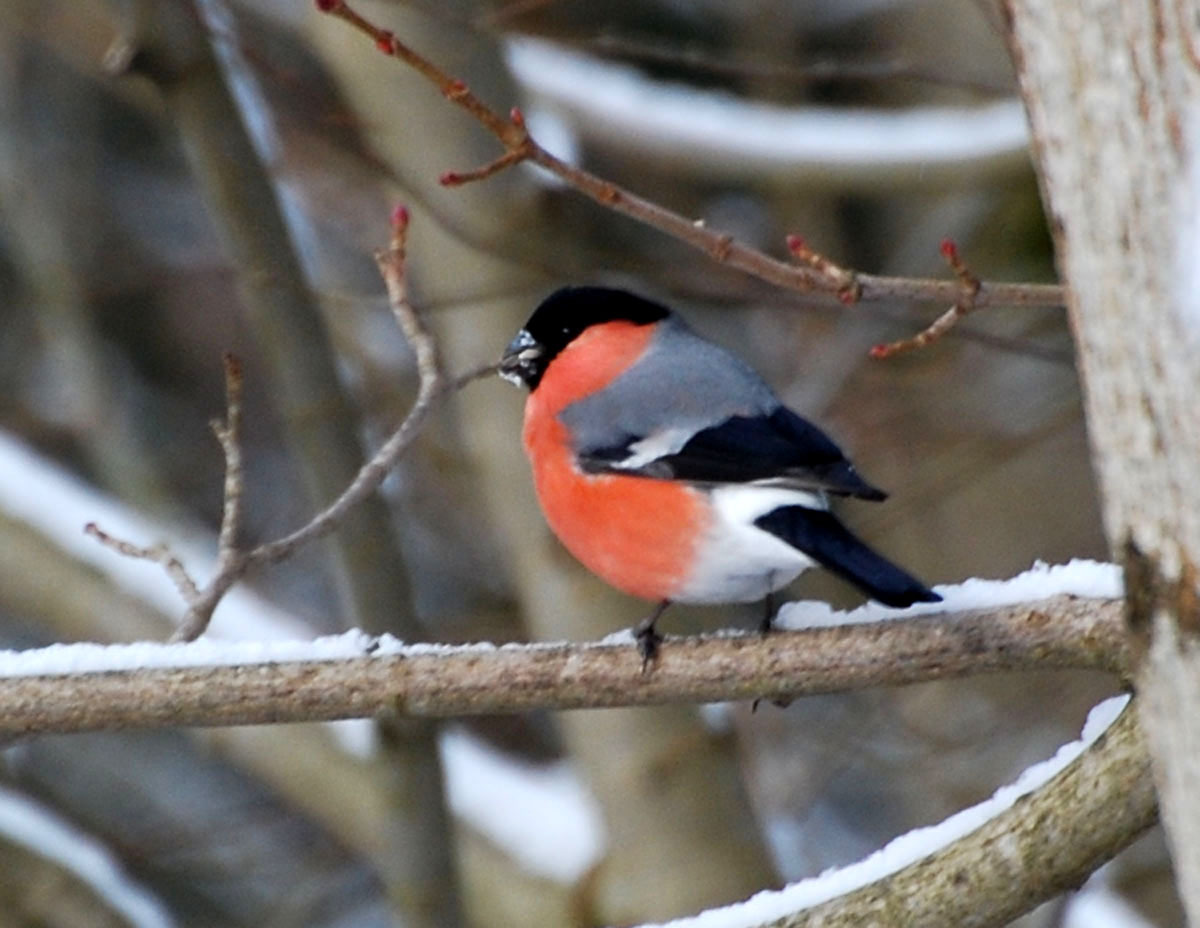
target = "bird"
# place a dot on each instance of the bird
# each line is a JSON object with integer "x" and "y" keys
{"x": 671, "y": 470}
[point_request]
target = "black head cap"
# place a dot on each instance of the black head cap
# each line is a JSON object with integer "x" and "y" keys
{"x": 562, "y": 317}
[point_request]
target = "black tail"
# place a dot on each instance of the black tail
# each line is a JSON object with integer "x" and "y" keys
{"x": 823, "y": 538}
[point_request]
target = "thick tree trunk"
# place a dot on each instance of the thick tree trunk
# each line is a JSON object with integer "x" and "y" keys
{"x": 1113, "y": 93}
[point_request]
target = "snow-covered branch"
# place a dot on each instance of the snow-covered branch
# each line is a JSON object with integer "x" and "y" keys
{"x": 989, "y": 863}
{"x": 68, "y": 688}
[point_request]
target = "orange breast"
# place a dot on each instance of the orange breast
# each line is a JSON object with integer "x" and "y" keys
{"x": 639, "y": 535}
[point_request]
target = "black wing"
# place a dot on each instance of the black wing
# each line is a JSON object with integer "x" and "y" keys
{"x": 779, "y": 448}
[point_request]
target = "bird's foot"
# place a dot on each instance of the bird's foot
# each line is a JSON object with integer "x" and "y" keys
{"x": 647, "y": 636}
{"x": 648, "y": 641}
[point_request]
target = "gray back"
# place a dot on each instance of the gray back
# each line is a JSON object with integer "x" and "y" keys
{"x": 682, "y": 381}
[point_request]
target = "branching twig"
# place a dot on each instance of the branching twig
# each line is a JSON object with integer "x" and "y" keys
{"x": 1061, "y": 632}
{"x": 431, "y": 387}
{"x": 967, "y": 302}
{"x": 159, "y": 554}
{"x": 521, "y": 146}
{"x": 232, "y": 561}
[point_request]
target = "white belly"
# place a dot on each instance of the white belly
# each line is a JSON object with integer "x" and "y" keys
{"x": 739, "y": 562}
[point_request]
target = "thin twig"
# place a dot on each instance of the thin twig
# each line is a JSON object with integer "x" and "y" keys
{"x": 159, "y": 554}
{"x": 520, "y": 146}
{"x": 843, "y": 281}
{"x": 1061, "y": 632}
{"x": 966, "y": 303}
{"x": 479, "y": 372}
{"x": 702, "y": 60}
{"x": 509, "y": 158}
{"x": 230, "y": 557}
{"x": 229, "y": 434}
{"x": 432, "y": 385}
{"x": 232, "y": 561}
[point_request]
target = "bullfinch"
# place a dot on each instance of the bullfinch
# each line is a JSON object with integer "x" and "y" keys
{"x": 671, "y": 470}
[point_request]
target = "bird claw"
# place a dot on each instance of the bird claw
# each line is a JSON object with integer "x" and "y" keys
{"x": 648, "y": 641}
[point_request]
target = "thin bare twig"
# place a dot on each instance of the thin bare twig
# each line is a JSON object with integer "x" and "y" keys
{"x": 159, "y": 554}
{"x": 1061, "y": 632}
{"x": 232, "y": 561}
{"x": 230, "y": 558}
{"x": 479, "y": 372}
{"x": 521, "y": 146}
{"x": 509, "y": 158}
{"x": 843, "y": 281}
{"x": 702, "y": 60}
{"x": 229, "y": 434}
{"x": 432, "y": 385}
{"x": 967, "y": 302}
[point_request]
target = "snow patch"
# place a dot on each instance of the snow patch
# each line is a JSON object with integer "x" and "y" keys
{"x": 1099, "y": 905}
{"x": 1079, "y": 577}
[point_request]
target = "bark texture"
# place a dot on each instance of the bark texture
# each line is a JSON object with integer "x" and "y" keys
{"x": 1113, "y": 93}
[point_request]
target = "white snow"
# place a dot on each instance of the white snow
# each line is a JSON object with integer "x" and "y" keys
{"x": 542, "y": 816}
{"x": 906, "y": 849}
{"x": 83, "y": 657}
{"x": 34, "y": 826}
{"x": 1079, "y": 577}
{"x": 721, "y": 134}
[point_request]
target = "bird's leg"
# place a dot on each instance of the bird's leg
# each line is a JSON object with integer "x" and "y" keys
{"x": 765, "y": 627}
{"x": 648, "y": 638}
{"x": 768, "y": 619}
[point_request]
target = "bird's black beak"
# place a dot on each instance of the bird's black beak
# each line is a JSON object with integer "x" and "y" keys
{"x": 519, "y": 363}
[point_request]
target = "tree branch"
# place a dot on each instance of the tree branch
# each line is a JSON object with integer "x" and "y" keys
{"x": 966, "y": 303}
{"x": 432, "y": 385}
{"x": 1049, "y": 841}
{"x": 424, "y": 681}
{"x": 520, "y": 146}
{"x": 233, "y": 562}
